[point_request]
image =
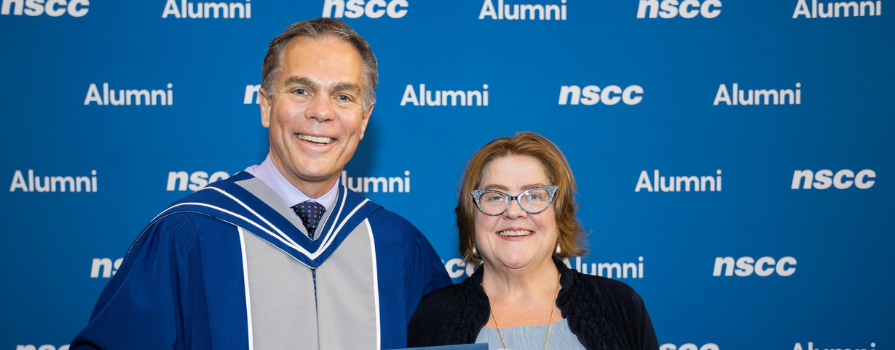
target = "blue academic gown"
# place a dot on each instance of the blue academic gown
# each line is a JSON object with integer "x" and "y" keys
{"x": 188, "y": 279}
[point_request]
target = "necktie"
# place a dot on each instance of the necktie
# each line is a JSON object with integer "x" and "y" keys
{"x": 310, "y": 214}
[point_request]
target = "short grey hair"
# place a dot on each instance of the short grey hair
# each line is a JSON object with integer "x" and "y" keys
{"x": 318, "y": 29}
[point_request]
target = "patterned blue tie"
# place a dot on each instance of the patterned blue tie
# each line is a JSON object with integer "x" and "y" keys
{"x": 310, "y": 214}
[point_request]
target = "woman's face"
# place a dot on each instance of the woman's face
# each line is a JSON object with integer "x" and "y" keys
{"x": 515, "y": 239}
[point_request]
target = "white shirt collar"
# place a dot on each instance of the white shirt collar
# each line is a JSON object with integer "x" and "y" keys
{"x": 268, "y": 173}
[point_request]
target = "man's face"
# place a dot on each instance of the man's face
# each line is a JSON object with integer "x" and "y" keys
{"x": 315, "y": 116}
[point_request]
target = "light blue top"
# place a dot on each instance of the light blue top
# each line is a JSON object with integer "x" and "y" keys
{"x": 531, "y": 337}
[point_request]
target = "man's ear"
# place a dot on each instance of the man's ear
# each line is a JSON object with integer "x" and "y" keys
{"x": 366, "y": 120}
{"x": 265, "y": 108}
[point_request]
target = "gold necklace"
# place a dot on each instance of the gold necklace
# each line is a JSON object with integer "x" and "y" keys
{"x": 549, "y": 323}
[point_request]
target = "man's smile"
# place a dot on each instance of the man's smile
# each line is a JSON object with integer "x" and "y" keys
{"x": 315, "y": 139}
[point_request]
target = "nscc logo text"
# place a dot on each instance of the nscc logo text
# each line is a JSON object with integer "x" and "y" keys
{"x": 52, "y": 8}
{"x": 763, "y": 267}
{"x": 824, "y": 178}
{"x": 673, "y": 8}
{"x": 360, "y": 8}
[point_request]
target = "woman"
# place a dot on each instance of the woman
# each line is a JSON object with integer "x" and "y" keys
{"x": 516, "y": 218}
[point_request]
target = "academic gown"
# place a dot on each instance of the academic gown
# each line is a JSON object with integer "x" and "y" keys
{"x": 231, "y": 267}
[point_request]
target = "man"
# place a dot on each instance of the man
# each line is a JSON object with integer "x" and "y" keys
{"x": 280, "y": 256}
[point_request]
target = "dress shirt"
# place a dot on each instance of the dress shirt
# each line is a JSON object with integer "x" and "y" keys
{"x": 268, "y": 173}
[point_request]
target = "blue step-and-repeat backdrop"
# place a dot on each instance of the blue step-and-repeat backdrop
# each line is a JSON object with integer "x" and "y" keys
{"x": 734, "y": 157}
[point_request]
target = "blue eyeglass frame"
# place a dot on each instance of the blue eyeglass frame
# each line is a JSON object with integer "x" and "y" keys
{"x": 478, "y": 193}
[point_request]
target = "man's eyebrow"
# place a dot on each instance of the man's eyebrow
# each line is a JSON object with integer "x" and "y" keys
{"x": 345, "y": 87}
{"x": 299, "y": 81}
{"x": 305, "y": 81}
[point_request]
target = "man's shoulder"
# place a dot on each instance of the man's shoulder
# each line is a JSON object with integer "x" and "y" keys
{"x": 189, "y": 221}
{"x": 195, "y": 207}
{"x": 183, "y": 230}
{"x": 386, "y": 218}
{"x": 390, "y": 227}
{"x": 182, "y": 215}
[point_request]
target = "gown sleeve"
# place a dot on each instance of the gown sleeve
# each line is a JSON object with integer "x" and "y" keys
{"x": 427, "y": 271}
{"x": 148, "y": 303}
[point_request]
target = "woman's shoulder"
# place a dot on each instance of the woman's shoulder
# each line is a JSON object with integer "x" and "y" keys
{"x": 588, "y": 286}
{"x": 608, "y": 287}
{"x": 596, "y": 293}
{"x": 608, "y": 308}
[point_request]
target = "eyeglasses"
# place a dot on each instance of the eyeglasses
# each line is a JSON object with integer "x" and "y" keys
{"x": 533, "y": 200}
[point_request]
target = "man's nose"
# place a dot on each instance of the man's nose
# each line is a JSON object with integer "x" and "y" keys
{"x": 320, "y": 108}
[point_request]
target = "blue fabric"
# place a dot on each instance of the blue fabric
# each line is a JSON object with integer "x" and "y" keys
{"x": 310, "y": 213}
{"x": 256, "y": 216}
{"x": 181, "y": 283}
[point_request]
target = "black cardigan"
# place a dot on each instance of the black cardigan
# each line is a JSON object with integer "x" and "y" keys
{"x": 602, "y": 313}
